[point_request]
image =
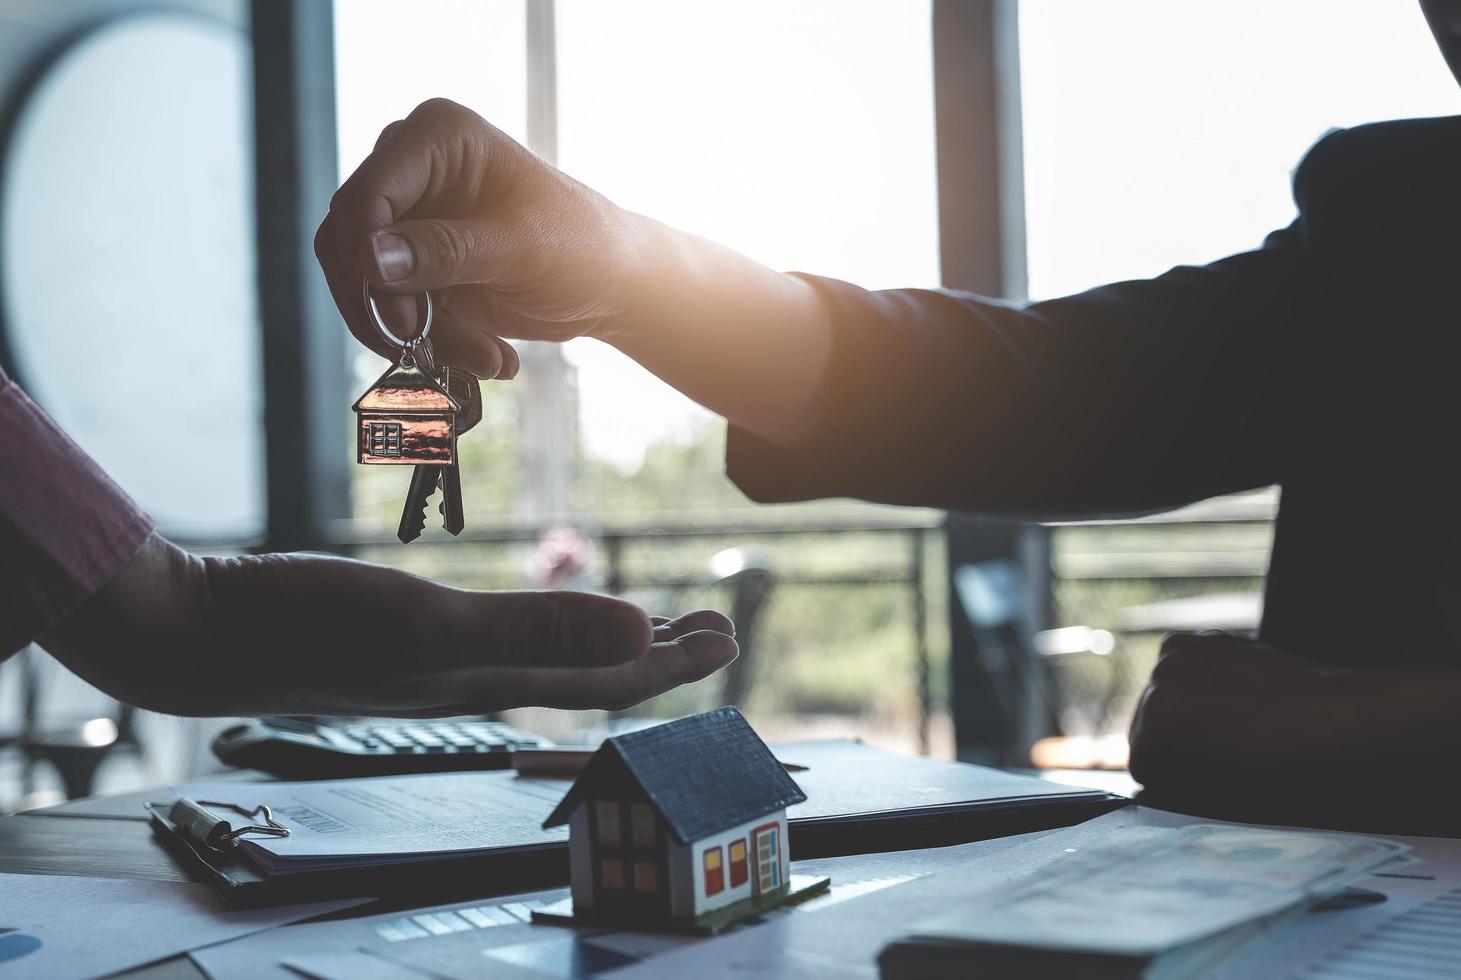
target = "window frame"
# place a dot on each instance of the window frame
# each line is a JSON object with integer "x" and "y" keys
{"x": 739, "y": 872}
{"x": 976, "y": 93}
{"x": 608, "y": 821}
{"x": 643, "y": 825}
{"x": 646, "y": 878}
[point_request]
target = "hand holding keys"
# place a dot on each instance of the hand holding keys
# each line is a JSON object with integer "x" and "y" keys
{"x": 414, "y": 414}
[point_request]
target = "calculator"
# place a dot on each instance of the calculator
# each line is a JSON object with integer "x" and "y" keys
{"x": 320, "y": 748}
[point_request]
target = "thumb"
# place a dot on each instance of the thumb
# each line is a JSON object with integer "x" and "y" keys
{"x": 415, "y": 256}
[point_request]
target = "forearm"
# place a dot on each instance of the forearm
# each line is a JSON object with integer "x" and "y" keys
{"x": 314, "y": 634}
{"x": 139, "y": 637}
{"x": 212, "y": 636}
{"x": 747, "y": 342}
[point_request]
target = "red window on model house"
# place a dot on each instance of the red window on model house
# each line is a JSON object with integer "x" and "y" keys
{"x": 737, "y": 863}
{"x": 714, "y": 872}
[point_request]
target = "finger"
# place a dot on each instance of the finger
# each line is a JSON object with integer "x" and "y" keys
{"x": 344, "y": 283}
{"x": 665, "y": 667}
{"x": 540, "y": 629}
{"x": 433, "y": 253}
{"x": 511, "y": 362}
{"x": 401, "y": 314}
{"x": 478, "y": 305}
{"x": 658, "y": 621}
{"x": 460, "y": 345}
{"x": 441, "y": 150}
{"x": 700, "y": 619}
{"x": 385, "y": 133}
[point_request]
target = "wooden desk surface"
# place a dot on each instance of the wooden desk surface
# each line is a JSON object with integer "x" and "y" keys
{"x": 103, "y": 836}
{"x": 68, "y": 840}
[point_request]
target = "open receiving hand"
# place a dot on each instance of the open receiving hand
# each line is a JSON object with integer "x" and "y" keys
{"x": 1220, "y": 705}
{"x": 507, "y": 245}
{"x": 311, "y": 634}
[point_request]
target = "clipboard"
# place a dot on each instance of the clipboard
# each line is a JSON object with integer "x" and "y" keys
{"x": 201, "y": 834}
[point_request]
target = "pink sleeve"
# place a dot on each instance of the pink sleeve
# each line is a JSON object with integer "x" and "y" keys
{"x": 65, "y": 527}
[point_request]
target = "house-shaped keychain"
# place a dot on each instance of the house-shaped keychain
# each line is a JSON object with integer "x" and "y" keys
{"x": 406, "y": 417}
{"x": 680, "y": 826}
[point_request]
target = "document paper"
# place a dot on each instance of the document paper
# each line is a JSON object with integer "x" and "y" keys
{"x": 61, "y": 926}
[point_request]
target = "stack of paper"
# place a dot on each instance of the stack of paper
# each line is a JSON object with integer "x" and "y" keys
{"x": 1151, "y": 902}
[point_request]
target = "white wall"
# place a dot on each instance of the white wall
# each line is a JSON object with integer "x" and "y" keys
{"x": 706, "y": 903}
{"x": 580, "y": 859}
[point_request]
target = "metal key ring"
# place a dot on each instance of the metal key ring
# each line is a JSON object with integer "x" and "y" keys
{"x": 380, "y": 326}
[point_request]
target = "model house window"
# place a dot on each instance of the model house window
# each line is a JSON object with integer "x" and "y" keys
{"x": 646, "y": 876}
{"x": 606, "y": 820}
{"x": 768, "y": 860}
{"x": 714, "y": 872}
{"x": 641, "y": 819}
{"x": 385, "y": 438}
{"x": 611, "y": 873}
{"x": 737, "y": 863}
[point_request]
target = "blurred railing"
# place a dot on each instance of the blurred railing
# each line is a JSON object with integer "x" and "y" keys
{"x": 909, "y": 569}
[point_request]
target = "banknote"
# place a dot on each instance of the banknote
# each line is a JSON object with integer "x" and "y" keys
{"x": 1152, "y": 889}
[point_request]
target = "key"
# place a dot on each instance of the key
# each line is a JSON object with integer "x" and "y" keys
{"x": 467, "y": 390}
{"x": 451, "y": 499}
{"x": 424, "y": 479}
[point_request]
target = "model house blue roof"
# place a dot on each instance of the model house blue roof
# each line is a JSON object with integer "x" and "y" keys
{"x": 703, "y": 774}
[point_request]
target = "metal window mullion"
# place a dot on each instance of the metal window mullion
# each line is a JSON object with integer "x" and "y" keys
{"x": 982, "y": 250}
{"x": 548, "y": 409}
{"x": 303, "y": 341}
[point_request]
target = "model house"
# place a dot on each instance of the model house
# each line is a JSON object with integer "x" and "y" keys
{"x": 676, "y": 822}
{"x": 406, "y": 417}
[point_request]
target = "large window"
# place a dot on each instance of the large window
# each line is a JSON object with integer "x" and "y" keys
{"x": 801, "y": 134}
{"x": 1160, "y": 133}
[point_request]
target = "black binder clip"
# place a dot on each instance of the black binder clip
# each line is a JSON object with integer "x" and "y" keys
{"x": 193, "y": 819}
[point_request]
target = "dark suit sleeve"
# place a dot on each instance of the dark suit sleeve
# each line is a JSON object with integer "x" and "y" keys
{"x": 1132, "y": 397}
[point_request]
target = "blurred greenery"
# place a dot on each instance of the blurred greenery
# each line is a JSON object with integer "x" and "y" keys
{"x": 1170, "y": 554}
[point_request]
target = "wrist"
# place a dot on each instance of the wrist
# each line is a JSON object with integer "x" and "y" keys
{"x": 651, "y": 264}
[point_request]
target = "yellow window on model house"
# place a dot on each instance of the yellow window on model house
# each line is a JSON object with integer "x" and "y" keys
{"x": 641, "y": 819}
{"x": 606, "y": 820}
